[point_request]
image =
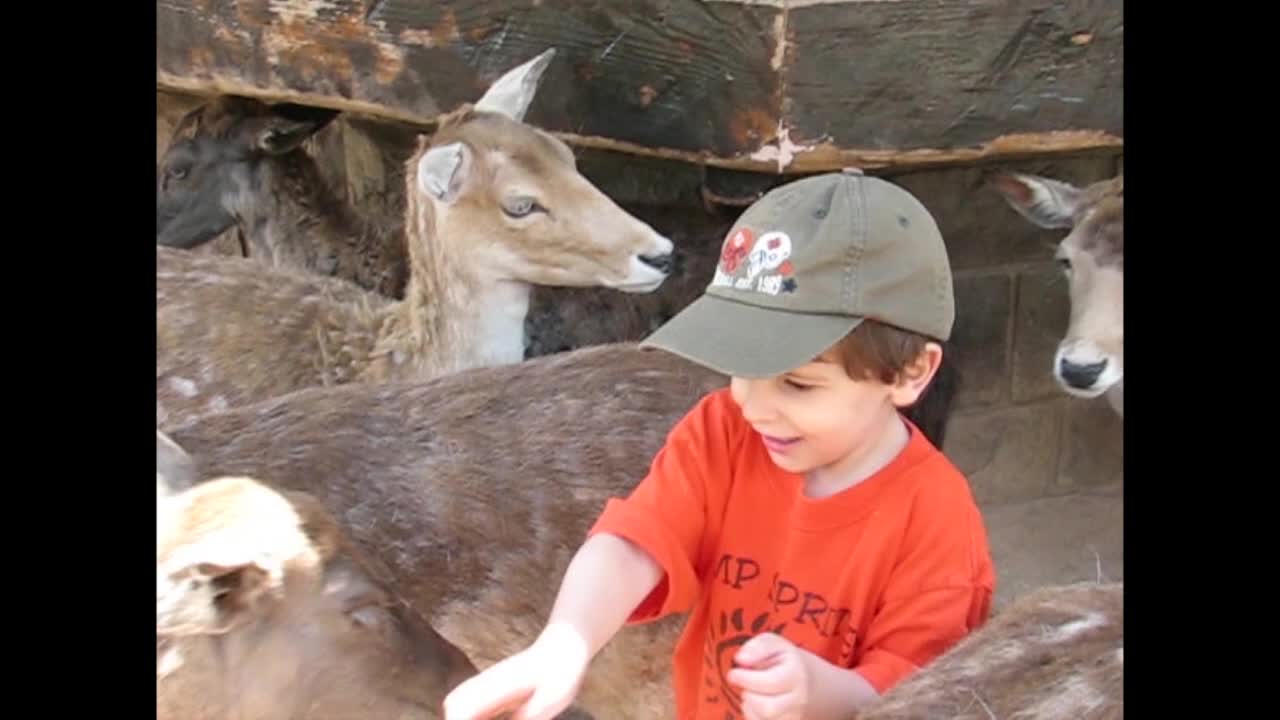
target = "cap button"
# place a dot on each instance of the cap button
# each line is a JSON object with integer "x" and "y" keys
{"x": 851, "y": 171}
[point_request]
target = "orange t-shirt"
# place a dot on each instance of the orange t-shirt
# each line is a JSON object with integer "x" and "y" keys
{"x": 880, "y": 578}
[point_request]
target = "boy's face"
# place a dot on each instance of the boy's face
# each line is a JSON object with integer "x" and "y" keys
{"x": 816, "y": 416}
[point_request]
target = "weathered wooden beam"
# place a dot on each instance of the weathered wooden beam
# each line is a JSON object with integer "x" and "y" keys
{"x": 798, "y": 86}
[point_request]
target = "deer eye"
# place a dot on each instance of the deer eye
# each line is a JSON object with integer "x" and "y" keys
{"x": 368, "y": 616}
{"x": 176, "y": 173}
{"x": 1064, "y": 264}
{"x": 520, "y": 206}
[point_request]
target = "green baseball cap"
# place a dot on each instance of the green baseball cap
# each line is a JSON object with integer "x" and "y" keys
{"x": 804, "y": 266}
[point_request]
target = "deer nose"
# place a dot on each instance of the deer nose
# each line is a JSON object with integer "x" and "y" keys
{"x": 1080, "y": 376}
{"x": 662, "y": 263}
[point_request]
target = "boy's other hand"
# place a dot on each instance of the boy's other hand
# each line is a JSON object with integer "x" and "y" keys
{"x": 773, "y": 676}
{"x": 534, "y": 684}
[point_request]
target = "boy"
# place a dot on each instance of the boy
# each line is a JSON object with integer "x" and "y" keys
{"x": 824, "y": 548}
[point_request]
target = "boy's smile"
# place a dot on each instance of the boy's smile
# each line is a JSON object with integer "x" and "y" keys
{"x": 818, "y": 422}
{"x": 778, "y": 445}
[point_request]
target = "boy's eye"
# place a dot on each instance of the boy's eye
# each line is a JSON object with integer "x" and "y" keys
{"x": 798, "y": 386}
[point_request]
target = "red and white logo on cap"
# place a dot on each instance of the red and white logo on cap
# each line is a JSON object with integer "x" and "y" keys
{"x": 766, "y": 262}
{"x": 735, "y": 249}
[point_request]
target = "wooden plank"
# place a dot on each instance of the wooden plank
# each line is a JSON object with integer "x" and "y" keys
{"x": 916, "y": 75}
{"x": 759, "y": 86}
{"x": 683, "y": 75}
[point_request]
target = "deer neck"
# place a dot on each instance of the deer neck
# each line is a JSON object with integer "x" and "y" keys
{"x": 1115, "y": 397}
{"x": 295, "y": 218}
{"x": 454, "y": 314}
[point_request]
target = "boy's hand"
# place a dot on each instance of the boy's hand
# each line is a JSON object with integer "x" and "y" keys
{"x": 774, "y": 677}
{"x": 534, "y": 684}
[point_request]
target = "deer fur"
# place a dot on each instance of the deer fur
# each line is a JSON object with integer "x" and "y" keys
{"x": 476, "y": 488}
{"x": 1054, "y": 654}
{"x": 264, "y": 609}
{"x": 238, "y": 165}
{"x": 1090, "y": 357}
{"x": 494, "y": 206}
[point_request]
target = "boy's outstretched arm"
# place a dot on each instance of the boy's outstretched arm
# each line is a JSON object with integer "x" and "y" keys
{"x": 605, "y": 581}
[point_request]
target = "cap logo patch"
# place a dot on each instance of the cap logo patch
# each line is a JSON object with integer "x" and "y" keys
{"x": 760, "y": 265}
{"x": 735, "y": 250}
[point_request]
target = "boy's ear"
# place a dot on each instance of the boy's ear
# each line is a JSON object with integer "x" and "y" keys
{"x": 916, "y": 376}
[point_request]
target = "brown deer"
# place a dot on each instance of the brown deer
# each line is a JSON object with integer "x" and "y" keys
{"x": 494, "y": 207}
{"x": 264, "y": 609}
{"x": 1054, "y": 654}
{"x": 239, "y": 165}
{"x": 1090, "y": 358}
{"x": 477, "y": 487}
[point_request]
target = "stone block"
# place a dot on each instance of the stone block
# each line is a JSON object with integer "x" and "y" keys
{"x": 980, "y": 340}
{"x": 1092, "y": 445}
{"x": 980, "y": 228}
{"x": 1009, "y": 454}
{"x": 1040, "y": 320}
{"x": 1054, "y": 541}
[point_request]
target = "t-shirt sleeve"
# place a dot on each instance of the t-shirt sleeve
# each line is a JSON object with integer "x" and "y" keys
{"x": 911, "y": 631}
{"x": 940, "y": 591}
{"x": 667, "y": 513}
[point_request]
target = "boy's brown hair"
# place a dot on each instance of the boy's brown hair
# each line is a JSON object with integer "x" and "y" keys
{"x": 875, "y": 350}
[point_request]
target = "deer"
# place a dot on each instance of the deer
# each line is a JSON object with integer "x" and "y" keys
{"x": 493, "y": 207}
{"x": 1056, "y": 653}
{"x": 476, "y": 488}
{"x": 238, "y": 165}
{"x": 265, "y": 609}
{"x": 1089, "y": 361}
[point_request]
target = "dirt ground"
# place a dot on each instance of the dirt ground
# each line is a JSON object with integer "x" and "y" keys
{"x": 1056, "y": 540}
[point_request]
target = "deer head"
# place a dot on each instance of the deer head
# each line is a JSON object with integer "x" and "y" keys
{"x": 1090, "y": 357}
{"x": 208, "y": 179}
{"x": 514, "y": 195}
{"x": 264, "y": 609}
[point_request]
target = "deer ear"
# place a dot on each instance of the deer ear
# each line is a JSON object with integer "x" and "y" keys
{"x": 222, "y": 548}
{"x": 512, "y": 94}
{"x": 175, "y": 470}
{"x": 189, "y": 125}
{"x": 443, "y": 169}
{"x": 208, "y": 598}
{"x": 286, "y": 127}
{"x": 1045, "y": 202}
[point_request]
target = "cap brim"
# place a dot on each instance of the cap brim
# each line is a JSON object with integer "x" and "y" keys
{"x": 747, "y": 340}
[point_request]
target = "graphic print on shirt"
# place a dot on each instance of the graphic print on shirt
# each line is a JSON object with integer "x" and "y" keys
{"x": 725, "y": 635}
{"x": 788, "y": 610}
{"x": 766, "y": 262}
